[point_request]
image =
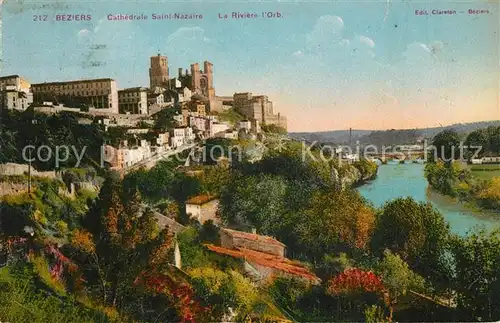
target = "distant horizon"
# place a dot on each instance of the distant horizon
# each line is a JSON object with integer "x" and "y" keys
{"x": 388, "y": 129}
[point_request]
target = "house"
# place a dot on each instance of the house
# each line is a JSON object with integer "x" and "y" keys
{"x": 217, "y": 127}
{"x": 133, "y": 100}
{"x": 177, "y": 137}
{"x": 189, "y": 135}
{"x": 179, "y": 118}
{"x": 15, "y": 93}
{"x": 351, "y": 158}
{"x": 203, "y": 208}
{"x": 162, "y": 139}
{"x": 132, "y": 156}
{"x": 263, "y": 257}
{"x": 491, "y": 160}
{"x": 239, "y": 239}
{"x": 245, "y": 124}
{"x": 228, "y": 134}
{"x": 199, "y": 123}
{"x": 124, "y": 156}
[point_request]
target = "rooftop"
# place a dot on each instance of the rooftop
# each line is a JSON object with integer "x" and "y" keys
{"x": 77, "y": 81}
{"x": 9, "y": 76}
{"x": 200, "y": 199}
{"x": 164, "y": 221}
{"x": 267, "y": 260}
{"x": 134, "y": 89}
{"x": 252, "y": 236}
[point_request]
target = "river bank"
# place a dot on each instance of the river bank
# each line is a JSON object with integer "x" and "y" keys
{"x": 402, "y": 180}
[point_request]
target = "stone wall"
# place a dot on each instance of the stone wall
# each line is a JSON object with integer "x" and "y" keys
{"x": 11, "y": 169}
{"x": 7, "y": 188}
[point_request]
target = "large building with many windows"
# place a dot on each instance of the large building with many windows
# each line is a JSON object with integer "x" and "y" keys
{"x": 15, "y": 93}
{"x": 99, "y": 94}
{"x": 133, "y": 100}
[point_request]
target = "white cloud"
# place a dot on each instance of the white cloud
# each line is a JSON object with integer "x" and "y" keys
{"x": 419, "y": 52}
{"x": 366, "y": 41}
{"x": 83, "y": 33}
{"x": 326, "y": 29}
{"x": 188, "y": 34}
{"x": 327, "y": 38}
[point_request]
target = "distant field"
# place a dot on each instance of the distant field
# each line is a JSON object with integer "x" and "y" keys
{"x": 485, "y": 171}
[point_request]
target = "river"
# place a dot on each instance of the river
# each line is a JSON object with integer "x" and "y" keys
{"x": 396, "y": 180}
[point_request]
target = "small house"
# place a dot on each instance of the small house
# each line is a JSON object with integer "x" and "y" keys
{"x": 203, "y": 208}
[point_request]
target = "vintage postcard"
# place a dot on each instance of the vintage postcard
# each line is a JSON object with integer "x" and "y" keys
{"x": 232, "y": 161}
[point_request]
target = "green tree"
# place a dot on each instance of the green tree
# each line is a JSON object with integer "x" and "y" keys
{"x": 335, "y": 221}
{"x": 272, "y": 128}
{"x": 367, "y": 168}
{"x": 477, "y": 275}
{"x": 447, "y": 144}
{"x": 119, "y": 246}
{"x": 255, "y": 201}
{"x": 220, "y": 147}
{"x": 417, "y": 233}
{"x": 397, "y": 279}
{"x": 478, "y": 138}
{"x": 227, "y": 292}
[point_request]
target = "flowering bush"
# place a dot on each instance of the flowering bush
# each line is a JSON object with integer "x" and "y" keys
{"x": 355, "y": 280}
{"x": 182, "y": 294}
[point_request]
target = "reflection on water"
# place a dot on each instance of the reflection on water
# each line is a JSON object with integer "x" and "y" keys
{"x": 401, "y": 180}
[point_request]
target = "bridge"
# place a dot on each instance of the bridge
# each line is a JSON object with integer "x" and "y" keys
{"x": 412, "y": 155}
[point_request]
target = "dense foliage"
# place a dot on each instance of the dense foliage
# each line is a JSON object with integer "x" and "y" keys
{"x": 416, "y": 232}
{"x": 477, "y": 276}
{"x": 455, "y": 179}
{"x": 76, "y": 141}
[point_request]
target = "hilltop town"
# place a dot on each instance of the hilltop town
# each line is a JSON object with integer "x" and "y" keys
{"x": 187, "y": 103}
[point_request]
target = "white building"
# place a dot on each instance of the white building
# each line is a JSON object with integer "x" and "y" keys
{"x": 217, "y": 127}
{"x": 15, "y": 93}
{"x": 228, "y": 134}
{"x": 491, "y": 160}
{"x": 186, "y": 95}
{"x": 163, "y": 139}
{"x": 156, "y": 98}
{"x": 177, "y": 137}
{"x": 212, "y": 118}
{"x": 179, "y": 118}
{"x": 245, "y": 124}
{"x": 132, "y": 156}
{"x": 189, "y": 135}
{"x": 351, "y": 158}
{"x": 199, "y": 122}
{"x": 203, "y": 208}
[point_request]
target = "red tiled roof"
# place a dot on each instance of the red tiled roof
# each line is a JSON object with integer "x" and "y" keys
{"x": 267, "y": 260}
{"x": 200, "y": 199}
{"x": 252, "y": 236}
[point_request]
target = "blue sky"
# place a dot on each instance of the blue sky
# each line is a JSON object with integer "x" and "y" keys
{"x": 360, "y": 64}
